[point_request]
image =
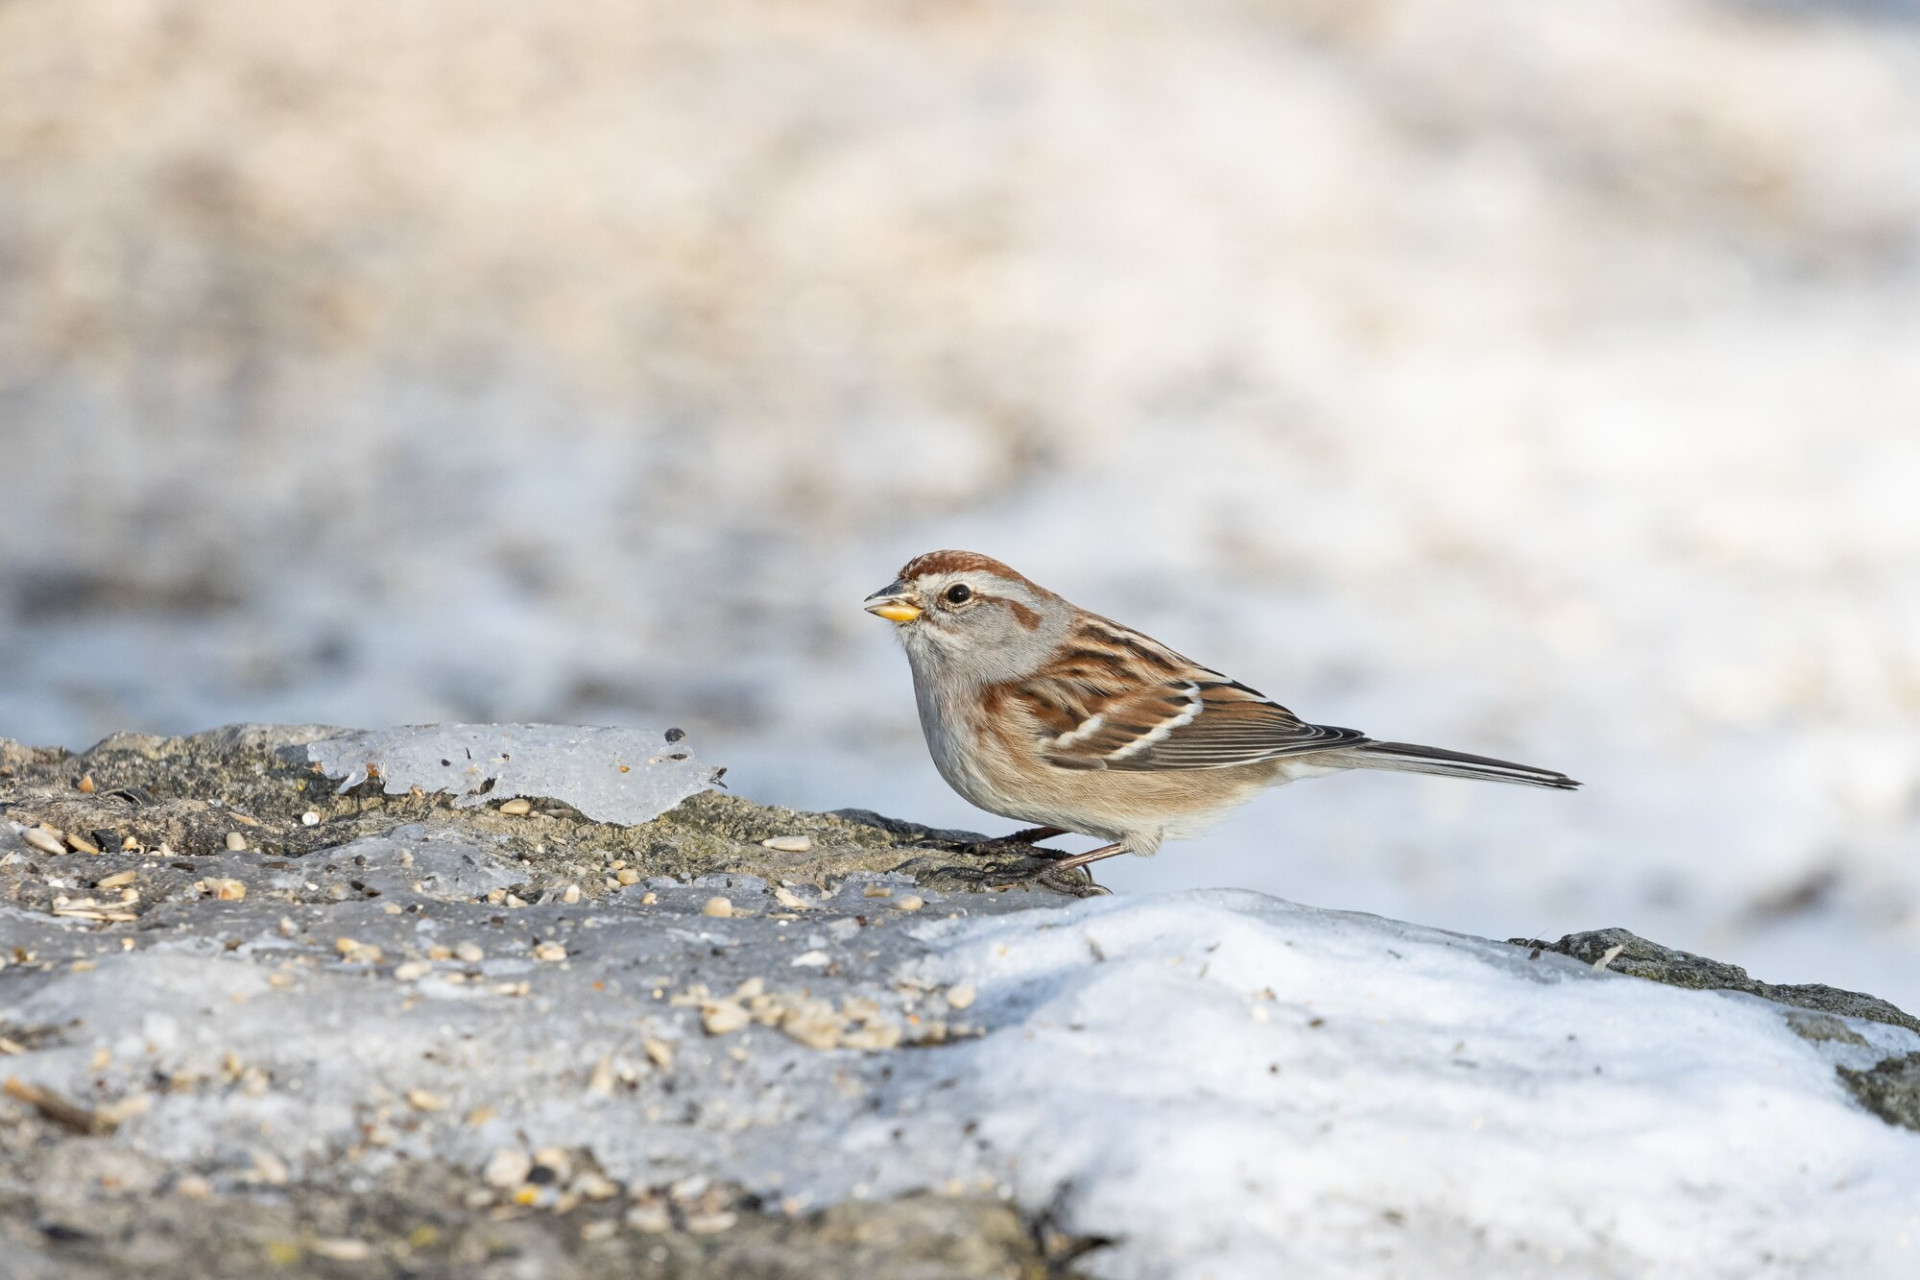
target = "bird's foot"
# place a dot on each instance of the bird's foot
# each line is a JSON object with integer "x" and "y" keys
{"x": 1033, "y": 872}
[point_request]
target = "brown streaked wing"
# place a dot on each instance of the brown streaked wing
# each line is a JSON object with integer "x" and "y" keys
{"x": 1197, "y": 721}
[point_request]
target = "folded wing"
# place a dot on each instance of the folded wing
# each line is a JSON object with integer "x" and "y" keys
{"x": 1125, "y": 702}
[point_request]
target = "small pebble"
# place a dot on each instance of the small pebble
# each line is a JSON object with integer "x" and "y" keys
{"x": 960, "y": 995}
{"x": 44, "y": 839}
{"x": 788, "y": 844}
{"x": 702, "y": 1224}
{"x": 469, "y": 953}
{"x": 570, "y": 894}
{"x": 194, "y": 1187}
{"x": 811, "y": 960}
{"x": 507, "y": 1167}
{"x": 421, "y": 1100}
{"x": 660, "y": 1053}
{"x": 627, "y": 875}
{"x": 550, "y": 951}
{"x": 309, "y": 819}
{"x": 236, "y": 842}
{"x": 599, "y": 1229}
{"x": 411, "y": 971}
{"x": 86, "y": 783}
{"x": 909, "y": 902}
{"x": 222, "y": 888}
{"x": 649, "y": 898}
{"x": 719, "y": 907}
{"x": 515, "y": 808}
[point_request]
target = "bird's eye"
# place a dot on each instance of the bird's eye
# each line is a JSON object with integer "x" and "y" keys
{"x": 959, "y": 593}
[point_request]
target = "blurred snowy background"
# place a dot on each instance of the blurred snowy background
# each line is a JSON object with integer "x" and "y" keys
{"x": 1538, "y": 380}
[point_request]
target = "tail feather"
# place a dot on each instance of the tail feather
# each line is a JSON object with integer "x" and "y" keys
{"x": 1406, "y": 757}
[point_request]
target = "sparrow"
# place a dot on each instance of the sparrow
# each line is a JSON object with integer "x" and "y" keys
{"x": 1037, "y": 710}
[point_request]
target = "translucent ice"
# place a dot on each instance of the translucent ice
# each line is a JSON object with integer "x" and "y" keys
{"x": 610, "y": 775}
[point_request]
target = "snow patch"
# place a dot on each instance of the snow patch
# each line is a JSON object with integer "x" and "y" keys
{"x": 627, "y": 776}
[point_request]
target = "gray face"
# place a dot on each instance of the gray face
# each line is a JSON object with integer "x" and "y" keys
{"x": 972, "y": 624}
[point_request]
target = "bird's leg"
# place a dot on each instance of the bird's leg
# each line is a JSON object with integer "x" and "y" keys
{"x": 1082, "y": 859}
{"x": 1033, "y": 835}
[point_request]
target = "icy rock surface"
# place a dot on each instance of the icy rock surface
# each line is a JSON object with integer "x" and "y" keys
{"x": 618, "y": 775}
{"x": 1219, "y": 1083}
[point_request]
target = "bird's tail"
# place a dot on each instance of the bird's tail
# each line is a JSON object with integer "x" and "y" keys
{"x": 1405, "y": 757}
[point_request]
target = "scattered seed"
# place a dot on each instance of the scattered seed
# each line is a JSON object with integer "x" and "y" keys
{"x": 117, "y": 880}
{"x": 649, "y": 898}
{"x": 353, "y": 951}
{"x": 507, "y": 1167}
{"x": 469, "y": 953}
{"x": 80, "y": 844}
{"x": 1608, "y": 956}
{"x": 705, "y": 1224}
{"x": 570, "y": 894}
{"x": 270, "y": 1169}
{"x": 659, "y": 1052}
{"x": 811, "y": 960}
{"x": 789, "y": 844}
{"x": 626, "y": 875}
{"x": 651, "y": 1217}
{"x": 45, "y": 839}
{"x": 236, "y": 842}
{"x": 411, "y": 971}
{"x": 876, "y": 891}
{"x": 600, "y": 1228}
{"x": 789, "y": 899}
{"x": 515, "y": 808}
{"x": 421, "y": 1100}
{"x": 960, "y": 995}
{"x": 910, "y": 902}
{"x": 221, "y": 887}
{"x": 342, "y": 1250}
{"x": 720, "y": 907}
{"x": 722, "y": 1017}
{"x": 550, "y": 951}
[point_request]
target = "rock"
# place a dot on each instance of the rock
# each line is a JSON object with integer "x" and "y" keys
{"x": 628, "y": 1040}
{"x": 1890, "y": 1089}
{"x": 1639, "y": 958}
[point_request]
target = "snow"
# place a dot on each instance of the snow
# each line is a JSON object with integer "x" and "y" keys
{"x": 1347, "y": 1095}
{"x": 1222, "y": 1083}
{"x": 627, "y": 776}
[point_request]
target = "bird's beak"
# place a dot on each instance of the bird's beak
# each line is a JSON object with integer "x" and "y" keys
{"x": 890, "y": 602}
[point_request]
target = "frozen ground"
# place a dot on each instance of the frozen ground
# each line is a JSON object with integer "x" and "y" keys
{"x": 1469, "y": 373}
{"x": 1201, "y": 1084}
